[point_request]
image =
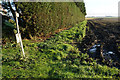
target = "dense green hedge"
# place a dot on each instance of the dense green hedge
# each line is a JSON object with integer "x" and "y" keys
{"x": 8, "y": 29}
{"x": 41, "y": 18}
{"x": 81, "y": 5}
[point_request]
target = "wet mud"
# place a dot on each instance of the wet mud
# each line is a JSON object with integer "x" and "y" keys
{"x": 102, "y": 41}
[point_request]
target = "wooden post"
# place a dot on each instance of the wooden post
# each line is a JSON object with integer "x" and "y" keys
{"x": 18, "y": 36}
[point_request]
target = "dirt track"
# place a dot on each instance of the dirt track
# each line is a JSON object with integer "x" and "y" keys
{"x": 105, "y": 32}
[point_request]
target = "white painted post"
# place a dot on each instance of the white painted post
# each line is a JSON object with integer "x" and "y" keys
{"x": 18, "y": 36}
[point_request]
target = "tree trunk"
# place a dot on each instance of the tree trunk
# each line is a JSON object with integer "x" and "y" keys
{"x": 13, "y": 12}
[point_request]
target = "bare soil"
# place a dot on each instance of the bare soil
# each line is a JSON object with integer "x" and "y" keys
{"x": 106, "y": 32}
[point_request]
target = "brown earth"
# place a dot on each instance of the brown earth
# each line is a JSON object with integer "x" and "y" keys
{"x": 106, "y": 32}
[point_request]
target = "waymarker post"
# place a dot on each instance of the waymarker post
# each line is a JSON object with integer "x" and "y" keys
{"x": 18, "y": 36}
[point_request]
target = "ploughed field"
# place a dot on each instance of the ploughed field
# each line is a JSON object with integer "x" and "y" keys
{"x": 103, "y": 41}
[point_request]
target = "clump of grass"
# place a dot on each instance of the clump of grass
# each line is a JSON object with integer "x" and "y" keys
{"x": 56, "y": 57}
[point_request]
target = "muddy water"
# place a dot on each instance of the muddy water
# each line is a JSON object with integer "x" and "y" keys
{"x": 101, "y": 41}
{"x": 106, "y": 54}
{"x": 109, "y": 56}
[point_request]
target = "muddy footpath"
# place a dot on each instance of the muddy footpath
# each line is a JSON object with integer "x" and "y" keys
{"x": 102, "y": 41}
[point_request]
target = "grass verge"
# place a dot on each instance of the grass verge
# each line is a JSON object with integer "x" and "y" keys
{"x": 57, "y": 57}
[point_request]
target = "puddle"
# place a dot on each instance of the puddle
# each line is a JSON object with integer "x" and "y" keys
{"x": 107, "y": 54}
{"x": 94, "y": 48}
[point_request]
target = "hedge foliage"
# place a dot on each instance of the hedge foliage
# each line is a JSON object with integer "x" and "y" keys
{"x": 8, "y": 27}
{"x": 42, "y": 18}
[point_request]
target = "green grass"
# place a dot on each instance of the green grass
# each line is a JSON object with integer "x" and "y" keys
{"x": 57, "y": 57}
